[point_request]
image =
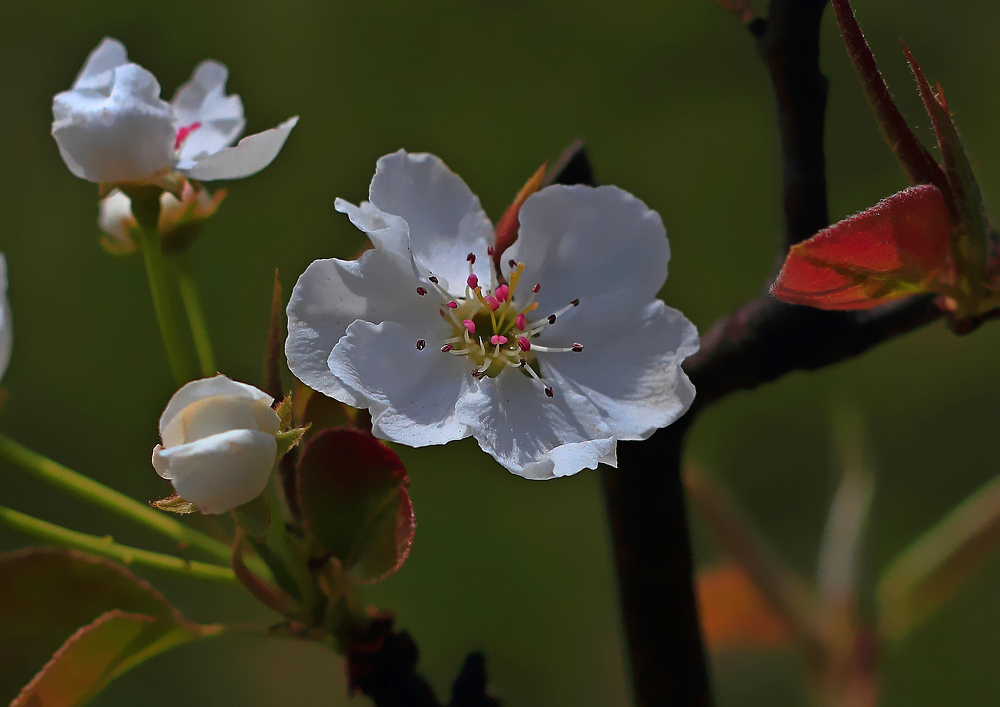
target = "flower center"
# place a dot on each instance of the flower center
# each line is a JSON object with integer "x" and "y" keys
{"x": 495, "y": 328}
{"x": 183, "y": 133}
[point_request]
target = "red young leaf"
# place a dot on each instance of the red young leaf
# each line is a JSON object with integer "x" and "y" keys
{"x": 920, "y": 166}
{"x": 507, "y": 226}
{"x": 888, "y": 251}
{"x": 353, "y": 499}
{"x": 47, "y": 595}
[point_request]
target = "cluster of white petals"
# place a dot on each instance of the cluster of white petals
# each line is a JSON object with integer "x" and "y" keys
{"x": 219, "y": 444}
{"x": 112, "y": 125}
{"x": 547, "y": 363}
{"x": 6, "y": 331}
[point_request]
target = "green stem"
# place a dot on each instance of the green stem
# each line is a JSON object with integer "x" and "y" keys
{"x": 196, "y": 315}
{"x": 91, "y": 491}
{"x": 106, "y": 547}
{"x": 149, "y": 239}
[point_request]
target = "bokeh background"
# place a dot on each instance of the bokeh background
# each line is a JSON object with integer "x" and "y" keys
{"x": 675, "y": 107}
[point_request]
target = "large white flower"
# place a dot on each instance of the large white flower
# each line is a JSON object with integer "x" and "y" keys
{"x": 112, "y": 126}
{"x": 547, "y": 364}
{"x": 219, "y": 443}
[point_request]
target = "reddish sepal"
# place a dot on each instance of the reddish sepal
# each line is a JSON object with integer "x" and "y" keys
{"x": 890, "y": 250}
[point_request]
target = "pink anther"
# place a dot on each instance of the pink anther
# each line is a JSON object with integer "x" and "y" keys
{"x": 502, "y": 292}
{"x": 498, "y": 339}
{"x": 523, "y": 343}
{"x": 470, "y": 325}
{"x": 521, "y": 322}
{"x": 536, "y": 288}
{"x": 473, "y": 281}
{"x": 453, "y": 305}
{"x": 182, "y": 134}
{"x": 492, "y": 302}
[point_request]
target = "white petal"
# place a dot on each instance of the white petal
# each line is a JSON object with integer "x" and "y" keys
{"x": 207, "y": 417}
{"x": 330, "y": 295}
{"x": 631, "y": 370}
{"x": 252, "y": 154}
{"x": 386, "y": 232}
{"x": 532, "y": 435}
{"x": 445, "y": 218}
{"x": 109, "y": 54}
{"x": 220, "y": 472}
{"x": 125, "y": 134}
{"x": 115, "y": 216}
{"x": 411, "y": 393}
{"x": 203, "y": 100}
{"x": 583, "y": 243}
{"x": 6, "y": 330}
{"x": 206, "y": 387}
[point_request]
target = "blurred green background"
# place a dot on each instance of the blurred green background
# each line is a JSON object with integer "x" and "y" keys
{"x": 676, "y": 108}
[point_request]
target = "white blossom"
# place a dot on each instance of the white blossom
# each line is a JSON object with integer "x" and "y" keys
{"x": 112, "y": 126}
{"x": 548, "y": 363}
{"x": 6, "y": 331}
{"x": 219, "y": 444}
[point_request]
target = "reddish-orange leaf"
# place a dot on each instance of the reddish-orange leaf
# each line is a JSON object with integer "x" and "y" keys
{"x": 734, "y": 614}
{"x": 890, "y": 250}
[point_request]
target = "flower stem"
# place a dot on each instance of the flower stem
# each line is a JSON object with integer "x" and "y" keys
{"x": 146, "y": 210}
{"x": 98, "y": 494}
{"x": 107, "y": 547}
{"x": 196, "y": 315}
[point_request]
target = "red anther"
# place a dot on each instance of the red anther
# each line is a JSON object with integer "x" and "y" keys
{"x": 421, "y": 344}
{"x": 421, "y": 291}
{"x": 471, "y": 257}
{"x": 433, "y": 279}
{"x": 498, "y": 339}
{"x": 490, "y": 251}
{"x": 577, "y": 348}
{"x": 575, "y": 303}
{"x": 551, "y": 319}
{"x": 521, "y": 322}
{"x": 476, "y": 373}
{"x": 502, "y": 293}
{"x": 523, "y": 344}
{"x": 470, "y": 325}
{"x": 452, "y": 305}
{"x": 522, "y": 363}
{"x": 512, "y": 263}
{"x": 473, "y": 281}
{"x": 446, "y": 348}
{"x": 182, "y": 134}
{"x": 536, "y": 288}
{"x": 548, "y": 391}
{"x": 491, "y": 302}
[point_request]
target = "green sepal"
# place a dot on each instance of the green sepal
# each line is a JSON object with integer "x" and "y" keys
{"x": 254, "y": 517}
{"x": 175, "y": 504}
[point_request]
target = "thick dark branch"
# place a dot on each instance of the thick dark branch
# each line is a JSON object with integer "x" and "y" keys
{"x": 765, "y": 339}
{"x": 788, "y": 42}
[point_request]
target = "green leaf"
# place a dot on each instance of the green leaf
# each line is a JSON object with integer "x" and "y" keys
{"x": 352, "y": 493}
{"x": 925, "y": 575}
{"x": 47, "y": 595}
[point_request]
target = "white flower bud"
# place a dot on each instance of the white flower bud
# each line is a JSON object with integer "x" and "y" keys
{"x": 219, "y": 443}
